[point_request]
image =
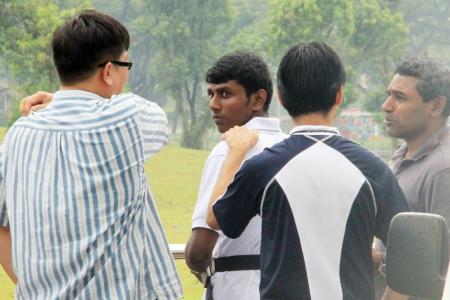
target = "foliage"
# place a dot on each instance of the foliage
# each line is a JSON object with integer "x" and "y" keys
{"x": 249, "y": 27}
{"x": 143, "y": 79}
{"x": 188, "y": 38}
{"x": 175, "y": 41}
{"x": 362, "y": 32}
{"x": 430, "y": 26}
{"x": 26, "y": 30}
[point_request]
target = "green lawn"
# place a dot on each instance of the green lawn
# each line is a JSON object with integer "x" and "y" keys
{"x": 174, "y": 175}
{"x": 2, "y": 132}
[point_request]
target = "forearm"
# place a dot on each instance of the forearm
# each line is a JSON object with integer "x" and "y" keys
{"x": 198, "y": 251}
{"x": 6, "y": 253}
{"x": 230, "y": 166}
{"x": 196, "y": 262}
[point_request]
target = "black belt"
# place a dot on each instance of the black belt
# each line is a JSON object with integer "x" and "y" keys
{"x": 225, "y": 264}
{"x": 235, "y": 263}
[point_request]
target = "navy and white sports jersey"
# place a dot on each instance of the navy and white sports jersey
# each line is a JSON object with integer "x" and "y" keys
{"x": 322, "y": 198}
{"x": 75, "y": 195}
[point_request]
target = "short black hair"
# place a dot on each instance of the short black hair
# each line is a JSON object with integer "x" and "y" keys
{"x": 433, "y": 76}
{"x": 309, "y": 77}
{"x": 247, "y": 68}
{"x": 85, "y": 41}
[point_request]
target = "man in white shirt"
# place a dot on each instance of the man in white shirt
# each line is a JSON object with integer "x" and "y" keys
{"x": 240, "y": 89}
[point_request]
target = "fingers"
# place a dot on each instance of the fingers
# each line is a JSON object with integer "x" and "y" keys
{"x": 34, "y": 102}
{"x": 38, "y": 107}
{"x": 240, "y": 137}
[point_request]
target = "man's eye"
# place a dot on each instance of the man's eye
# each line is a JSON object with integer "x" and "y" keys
{"x": 225, "y": 93}
{"x": 400, "y": 97}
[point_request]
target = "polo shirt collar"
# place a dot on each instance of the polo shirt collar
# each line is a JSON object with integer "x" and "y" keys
{"x": 315, "y": 129}
{"x": 77, "y": 95}
{"x": 264, "y": 123}
{"x": 430, "y": 144}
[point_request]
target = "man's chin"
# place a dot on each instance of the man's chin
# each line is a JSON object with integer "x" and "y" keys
{"x": 393, "y": 133}
{"x": 222, "y": 129}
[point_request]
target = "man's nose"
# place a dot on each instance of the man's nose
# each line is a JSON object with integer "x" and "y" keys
{"x": 387, "y": 105}
{"x": 214, "y": 104}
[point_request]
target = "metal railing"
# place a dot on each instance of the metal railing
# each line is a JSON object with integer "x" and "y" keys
{"x": 177, "y": 250}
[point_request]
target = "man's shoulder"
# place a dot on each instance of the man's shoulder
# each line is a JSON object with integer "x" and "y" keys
{"x": 140, "y": 102}
{"x": 220, "y": 149}
{"x": 438, "y": 160}
{"x": 368, "y": 162}
{"x": 269, "y": 158}
{"x": 444, "y": 149}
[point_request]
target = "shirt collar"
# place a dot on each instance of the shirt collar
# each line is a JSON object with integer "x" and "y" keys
{"x": 315, "y": 129}
{"x": 77, "y": 95}
{"x": 431, "y": 143}
{"x": 264, "y": 123}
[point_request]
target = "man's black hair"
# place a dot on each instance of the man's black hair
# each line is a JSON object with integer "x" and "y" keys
{"x": 309, "y": 77}
{"x": 247, "y": 68}
{"x": 433, "y": 76}
{"x": 85, "y": 41}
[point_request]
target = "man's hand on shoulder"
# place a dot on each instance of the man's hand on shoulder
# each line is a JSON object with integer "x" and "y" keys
{"x": 35, "y": 102}
{"x": 240, "y": 139}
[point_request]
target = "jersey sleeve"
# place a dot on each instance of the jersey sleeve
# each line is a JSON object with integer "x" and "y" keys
{"x": 210, "y": 174}
{"x": 153, "y": 126}
{"x": 241, "y": 201}
{"x": 4, "y": 222}
{"x": 390, "y": 201}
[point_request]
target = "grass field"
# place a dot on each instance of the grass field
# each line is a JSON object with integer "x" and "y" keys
{"x": 174, "y": 175}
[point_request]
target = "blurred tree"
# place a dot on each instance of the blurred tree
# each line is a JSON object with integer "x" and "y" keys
{"x": 188, "y": 36}
{"x": 430, "y": 25}
{"x": 25, "y": 33}
{"x": 143, "y": 79}
{"x": 367, "y": 34}
{"x": 249, "y": 27}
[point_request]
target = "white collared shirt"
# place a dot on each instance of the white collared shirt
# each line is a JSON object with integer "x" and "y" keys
{"x": 238, "y": 285}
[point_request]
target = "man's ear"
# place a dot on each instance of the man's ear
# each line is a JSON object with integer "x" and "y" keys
{"x": 106, "y": 74}
{"x": 339, "y": 96}
{"x": 438, "y": 105}
{"x": 259, "y": 99}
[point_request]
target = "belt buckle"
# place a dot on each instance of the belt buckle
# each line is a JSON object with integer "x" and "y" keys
{"x": 210, "y": 271}
{"x": 212, "y": 267}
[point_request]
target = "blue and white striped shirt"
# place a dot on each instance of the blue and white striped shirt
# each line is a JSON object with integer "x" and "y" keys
{"x": 74, "y": 193}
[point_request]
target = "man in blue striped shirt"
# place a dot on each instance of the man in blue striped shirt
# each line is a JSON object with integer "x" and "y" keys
{"x": 74, "y": 198}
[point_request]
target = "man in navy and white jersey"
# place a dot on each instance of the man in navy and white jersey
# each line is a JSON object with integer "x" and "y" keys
{"x": 322, "y": 198}
{"x": 74, "y": 197}
{"x": 240, "y": 90}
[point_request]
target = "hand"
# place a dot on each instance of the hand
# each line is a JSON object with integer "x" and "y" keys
{"x": 240, "y": 138}
{"x": 34, "y": 102}
{"x": 197, "y": 275}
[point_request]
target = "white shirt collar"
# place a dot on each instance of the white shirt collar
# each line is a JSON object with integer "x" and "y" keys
{"x": 78, "y": 95}
{"x": 316, "y": 129}
{"x": 263, "y": 123}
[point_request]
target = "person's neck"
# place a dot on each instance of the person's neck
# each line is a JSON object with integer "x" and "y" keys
{"x": 316, "y": 119}
{"x": 413, "y": 144}
{"x": 88, "y": 87}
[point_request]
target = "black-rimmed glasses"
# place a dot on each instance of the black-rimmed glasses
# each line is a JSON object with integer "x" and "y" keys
{"x": 127, "y": 64}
